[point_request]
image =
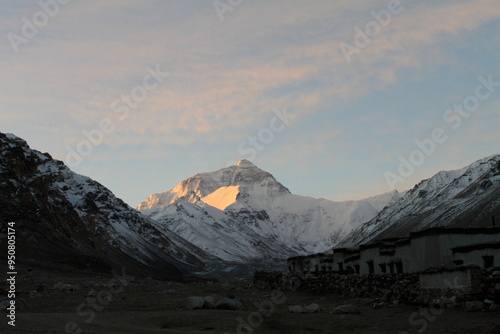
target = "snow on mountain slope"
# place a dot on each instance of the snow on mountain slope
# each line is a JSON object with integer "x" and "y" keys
{"x": 250, "y": 206}
{"x": 62, "y": 212}
{"x": 313, "y": 224}
{"x": 215, "y": 232}
{"x": 379, "y": 202}
{"x": 466, "y": 197}
{"x": 222, "y": 197}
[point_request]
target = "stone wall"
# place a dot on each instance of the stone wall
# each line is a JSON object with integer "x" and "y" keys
{"x": 384, "y": 289}
{"x": 467, "y": 278}
{"x": 400, "y": 287}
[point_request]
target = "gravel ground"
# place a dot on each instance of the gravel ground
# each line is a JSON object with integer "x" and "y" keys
{"x": 99, "y": 303}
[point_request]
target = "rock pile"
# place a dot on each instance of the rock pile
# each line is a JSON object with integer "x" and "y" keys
{"x": 277, "y": 280}
{"x": 312, "y": 308}
{"x": 484, "y": 296}
{"x": 195, "y": 303}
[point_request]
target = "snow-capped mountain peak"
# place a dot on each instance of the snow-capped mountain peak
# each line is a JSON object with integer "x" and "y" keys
{"x": 244, "y": 177}
{"x": 249, "y": 204}
{"x": 245, "y": 163}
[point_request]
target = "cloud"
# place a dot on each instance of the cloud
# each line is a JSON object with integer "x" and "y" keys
{"x": 226, "y": 76}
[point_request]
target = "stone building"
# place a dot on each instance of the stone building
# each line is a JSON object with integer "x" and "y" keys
{"x": 434, "y": 247}
{"x": 486, "y": 253}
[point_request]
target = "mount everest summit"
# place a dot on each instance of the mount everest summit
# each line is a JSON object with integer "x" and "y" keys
{"x": 241, "y": 213}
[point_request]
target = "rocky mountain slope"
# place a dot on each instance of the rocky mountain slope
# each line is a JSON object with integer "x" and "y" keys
{"x": 66, "y": 217}
{"x": 242, "y": 212}
{"x": 237, "y": 214}
{"x": 467, "y": 197}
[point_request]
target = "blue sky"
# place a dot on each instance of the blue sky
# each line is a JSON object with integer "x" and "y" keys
{"x": 352, "y": 120}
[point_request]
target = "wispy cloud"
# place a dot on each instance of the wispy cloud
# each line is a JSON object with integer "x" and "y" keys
{"x": 225, "y": 77}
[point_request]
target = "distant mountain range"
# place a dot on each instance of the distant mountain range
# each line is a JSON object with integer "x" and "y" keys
{"x": 239, "y": 214}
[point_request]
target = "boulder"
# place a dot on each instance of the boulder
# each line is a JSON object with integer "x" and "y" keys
{"x": 92, "y": 293}
{"x": 313, "y": 308}
{"x": 449, "y": 301}
{"x": 209, "y": 302}
{"x": 474, "y": 306}
{"x": 296, "y": 309}
{"x": 346, "y": 309}
{"x": 194, "y": 303}
{"x": 228, "y": 304}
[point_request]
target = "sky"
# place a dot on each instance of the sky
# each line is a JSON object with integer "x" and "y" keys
{"x": 337, "y": 99}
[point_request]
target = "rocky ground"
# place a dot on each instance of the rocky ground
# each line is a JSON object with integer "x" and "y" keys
{"x": 70, "y": 301}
